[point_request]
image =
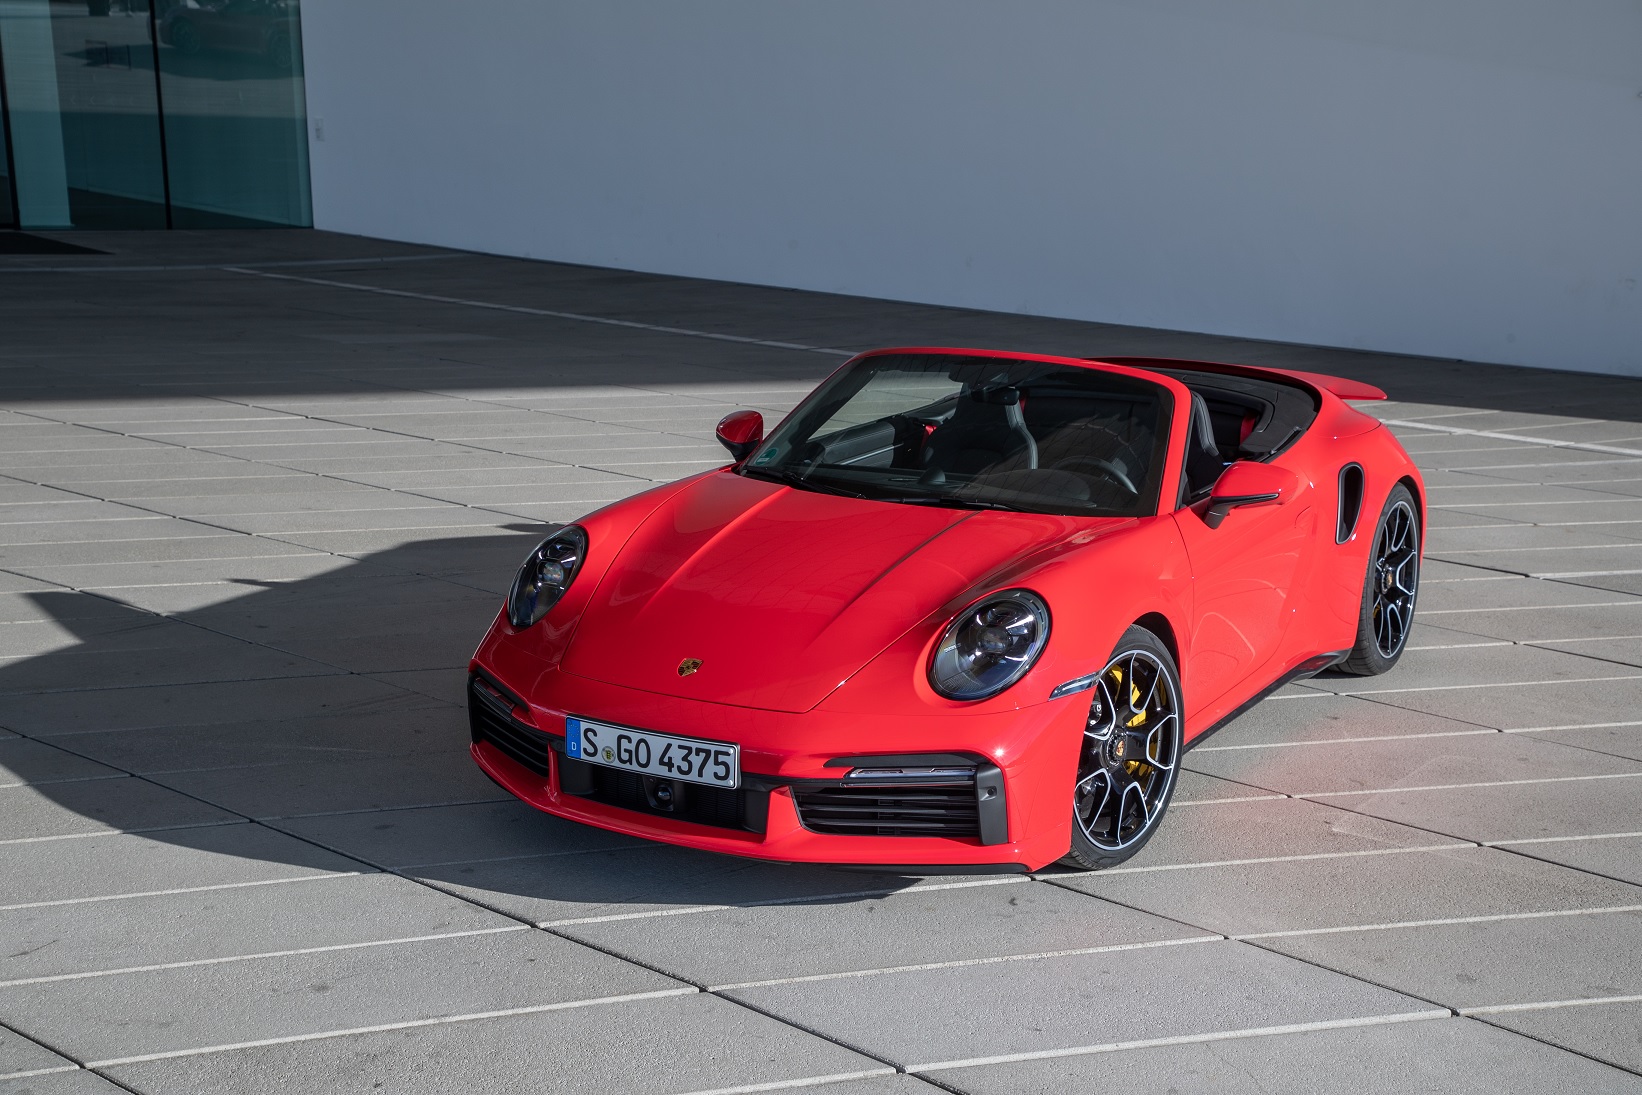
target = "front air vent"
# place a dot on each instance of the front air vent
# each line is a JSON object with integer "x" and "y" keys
{"x": 930, "y": 810}
{"x": 1351, "y": 502}
{"x": 491, "y": 719}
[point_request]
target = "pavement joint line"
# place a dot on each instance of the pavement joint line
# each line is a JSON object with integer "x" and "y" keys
{"x": 1452, "y": 846}
{"x": 1553, "y": 547}
{"x": 1547, "y": 464}
{"x": 1463, "y": 786}
{"x": 546, "y": 312}
{"x": 65, "y": 779}
{"x": 150, "y": 269}
{"x": 39, "y": 1072}
{"x": 1222, "y": 801}
{"x": 789, "y": 1085}
{"x": 963, "y": 963}
{"x": 1633, "y": 603}
{"x": 400, "y": 867}
{"x": 1342, "y": 741}
{"x": 1585, "y": 574}
{"x": 1557, "y": 839}
{"x": 1188, "y": 1039}
{"x": 115, "y": 832}
{"x": 183, "y": 890}
{"x": 1490, "y": 918}
{"x": 382, "y": 809}
{"x": 48, "y": 979}
{"x": 778, "y": 902}
{"x": 1546, "y": 1005}
{"x": 380, "y": 1028}
{"x": 1492, "y": 684}
{"x": 1572, "y": 726}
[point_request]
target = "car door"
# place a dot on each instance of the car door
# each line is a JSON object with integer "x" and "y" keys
{"x": 1244, "y": 575}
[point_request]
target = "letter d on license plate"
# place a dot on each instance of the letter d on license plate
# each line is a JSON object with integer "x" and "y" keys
{"x": 664, "y": 756}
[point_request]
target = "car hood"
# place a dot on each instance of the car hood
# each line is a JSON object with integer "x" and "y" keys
{"x": 779, "y": 594}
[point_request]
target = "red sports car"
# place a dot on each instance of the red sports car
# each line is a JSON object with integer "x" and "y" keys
{"x": 960, "y": 607}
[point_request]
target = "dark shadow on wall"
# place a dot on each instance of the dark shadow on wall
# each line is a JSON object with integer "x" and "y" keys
{"x": 329, "y": 711}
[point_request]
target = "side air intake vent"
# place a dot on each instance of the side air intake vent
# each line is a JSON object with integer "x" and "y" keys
{"x": 1351, "y": 502}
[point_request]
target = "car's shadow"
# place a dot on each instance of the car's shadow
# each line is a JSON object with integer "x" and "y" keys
{"x": 329, "y": 710}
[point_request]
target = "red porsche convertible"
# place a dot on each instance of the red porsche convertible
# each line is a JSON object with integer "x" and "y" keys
{"x": 960, "y": 607}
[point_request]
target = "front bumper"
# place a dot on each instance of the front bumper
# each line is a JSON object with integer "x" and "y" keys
{"x": 794, "y": 804}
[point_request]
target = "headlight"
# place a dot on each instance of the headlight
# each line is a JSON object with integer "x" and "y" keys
{"x": 547, "y": 573}
{"x": 990, "y": 645}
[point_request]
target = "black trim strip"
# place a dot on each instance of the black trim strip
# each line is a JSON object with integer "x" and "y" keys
{"x": 1309, "y": 668}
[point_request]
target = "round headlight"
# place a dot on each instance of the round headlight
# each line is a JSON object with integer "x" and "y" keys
{"x": 990, "y": 645}
{"x": 546, "y": 574}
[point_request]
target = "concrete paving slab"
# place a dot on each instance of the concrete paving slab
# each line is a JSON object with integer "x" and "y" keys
{"x": 1233, "y": 832}
{"x": 76, "y": 1082}
{"x": 435, "y": 729}
{"x": 1456, "y": 1056}
{"x": 1621, "y": 740}
{"x": 1472, "y": 665}
{"x": 111, "y": 864}
{"x": 101, "y": 805}
{"x": 911, "y": 927}
{"x": 708, "y": 1044}
{"x": 19, "y": 1054}
{"x": 1607, "y": 1032}
{"x": 336, "y": 786}
{"x": 1475, "y": 965}
{"x": 925, "y": 1017}
{"x": 1617, "y": 857}
{"x": 1300, "y": 895}
{"x": 188, "y": 1007}
{"x": 1567, "y": 807}
{"x": 462, "y": 835}
{"x": 35, "y": 762}
{"x": 1385, "y": 763}
{"x": 1601, "y": 616}
{"x": 238, "y": 927}
{"x": 648, "y": 878}
{"x": 447, "y": 686}
{"x": 208, "y": 703}
{"x": 1607, "y": 695}
{"x": 179, "y": 655}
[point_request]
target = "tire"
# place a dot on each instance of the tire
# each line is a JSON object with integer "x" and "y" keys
{"x": 1128, "y": 750}
{"x": 1390, "y": 588}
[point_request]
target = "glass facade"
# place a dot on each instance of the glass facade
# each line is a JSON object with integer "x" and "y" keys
{"x": 153, "y": 114}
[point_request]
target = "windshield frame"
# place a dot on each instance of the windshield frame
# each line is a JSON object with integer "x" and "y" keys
{"x": 816, "y": 410}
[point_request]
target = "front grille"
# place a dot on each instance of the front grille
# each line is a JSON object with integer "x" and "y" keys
{"x": 491, "y": 721}
{"x": 696, "y": 802}
{"x": 887, "y": 811}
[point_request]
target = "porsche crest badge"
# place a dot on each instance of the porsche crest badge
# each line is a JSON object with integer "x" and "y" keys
{"x": 688, "y": 666}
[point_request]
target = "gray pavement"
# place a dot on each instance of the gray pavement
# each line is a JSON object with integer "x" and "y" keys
{"x": 260, "y": 494}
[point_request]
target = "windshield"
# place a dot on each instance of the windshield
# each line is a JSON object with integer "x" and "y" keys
{"x": 978, "y": 432}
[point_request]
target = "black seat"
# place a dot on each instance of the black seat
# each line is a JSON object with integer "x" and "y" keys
{"x": 1203, "y": 463}
{"x": 985, "y": 433}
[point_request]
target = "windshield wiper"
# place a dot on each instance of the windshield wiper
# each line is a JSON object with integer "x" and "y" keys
{"x": 797, "y": 479}
{"x": 944, "y": 500}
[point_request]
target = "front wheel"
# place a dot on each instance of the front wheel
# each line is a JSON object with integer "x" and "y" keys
{"x": 1131, "y": 748}
{"x": 1389, "y": 591}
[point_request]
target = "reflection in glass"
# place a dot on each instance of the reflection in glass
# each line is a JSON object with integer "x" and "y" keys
{"x": 235, "y": 119}
{"x": 84, "y": 117}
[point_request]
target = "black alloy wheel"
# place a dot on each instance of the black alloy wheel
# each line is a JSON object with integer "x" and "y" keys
{"x": 1130, "y": 753}
{"x": 1390, "y": 588}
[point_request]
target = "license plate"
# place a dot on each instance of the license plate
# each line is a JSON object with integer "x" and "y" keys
{"x": 663, "y": 756}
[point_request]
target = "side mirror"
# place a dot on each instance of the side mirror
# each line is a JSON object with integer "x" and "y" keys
{"x": 740, "y": 433}
{"x": 1247, "y": 483}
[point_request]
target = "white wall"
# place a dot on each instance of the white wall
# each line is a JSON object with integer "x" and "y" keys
{"x": 1460, "y": 178}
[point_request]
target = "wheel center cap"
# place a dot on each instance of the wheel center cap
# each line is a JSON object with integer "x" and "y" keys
{"x": 1118, "y": 749}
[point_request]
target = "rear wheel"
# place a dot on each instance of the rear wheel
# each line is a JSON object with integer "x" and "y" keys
{"x": 1131, "y": 748}
{"x": 1390, "y": 589}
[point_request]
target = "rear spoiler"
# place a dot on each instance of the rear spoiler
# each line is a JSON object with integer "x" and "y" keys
{"x": 1339, "y": 386}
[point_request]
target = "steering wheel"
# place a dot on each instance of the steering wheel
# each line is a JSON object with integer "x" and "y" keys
{"x": 1105, "y": 468}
